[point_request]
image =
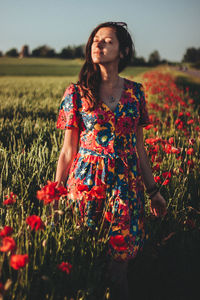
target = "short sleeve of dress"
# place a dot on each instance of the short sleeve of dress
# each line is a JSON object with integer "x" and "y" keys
{"x": 144, "y": 116}
{"x": 68, "y": 116}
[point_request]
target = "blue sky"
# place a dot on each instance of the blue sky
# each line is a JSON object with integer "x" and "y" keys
{"x": 169, "y": 26}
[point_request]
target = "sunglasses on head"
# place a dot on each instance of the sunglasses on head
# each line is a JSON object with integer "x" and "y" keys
{"x": 123, "y": 24}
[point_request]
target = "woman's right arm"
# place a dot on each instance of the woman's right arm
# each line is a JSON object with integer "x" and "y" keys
{"x": 68, "y": 151}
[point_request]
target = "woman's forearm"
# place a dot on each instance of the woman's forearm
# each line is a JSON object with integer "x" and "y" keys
{"x": 158, "y": 203}
{"x": 145, "y": 167}
{"x": 63, "y": 166}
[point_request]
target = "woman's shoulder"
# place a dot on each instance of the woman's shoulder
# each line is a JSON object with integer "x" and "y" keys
{"x": 71, "y": 91}
{"x": 136, "y": 86}
{"x": 71, "y": 88}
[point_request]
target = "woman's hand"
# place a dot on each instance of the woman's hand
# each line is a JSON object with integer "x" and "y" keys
{"x": 158, "y": 205}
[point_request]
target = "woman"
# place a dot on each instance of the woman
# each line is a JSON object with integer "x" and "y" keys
{"x": 103, "y": 154}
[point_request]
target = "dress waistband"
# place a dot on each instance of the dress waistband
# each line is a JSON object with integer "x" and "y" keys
{"x": 103, "y": 155}
{"x": 86, "y": 151}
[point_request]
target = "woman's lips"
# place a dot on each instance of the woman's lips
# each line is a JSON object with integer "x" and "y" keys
{"x": 97, "y": 53}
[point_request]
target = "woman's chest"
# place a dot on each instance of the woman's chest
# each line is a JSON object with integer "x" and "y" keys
{"x": 124, "y": 115}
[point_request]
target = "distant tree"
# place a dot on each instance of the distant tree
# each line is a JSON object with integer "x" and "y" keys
{"x": 138, "y": 61}
{"x": 196, "y": 65}
{"x": 1, "y": 53}
{"x": 67, "y": 52}
{"x": 51, "y": 53}
{"x": 43, "y": 51}
{"x": 72, "y": 52}
{"x": 164, "y": 61}
{"x": 36, "y": 52}
{"x": 24, "y": 51}
{"x": 154, "y": 58}
{"x": 79, "y": 51}
{"x": 12, "y": 52}
{"x": 192, "y": 55}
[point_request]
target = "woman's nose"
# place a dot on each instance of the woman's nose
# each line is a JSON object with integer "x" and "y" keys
{"x": 100, "y": 44}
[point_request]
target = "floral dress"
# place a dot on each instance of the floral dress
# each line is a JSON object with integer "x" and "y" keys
{"x": 104, "y": 181}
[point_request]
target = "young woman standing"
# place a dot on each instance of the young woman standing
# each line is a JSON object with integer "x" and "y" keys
{"x": 103, "y": 116}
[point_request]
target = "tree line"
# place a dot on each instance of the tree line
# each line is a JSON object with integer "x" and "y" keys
{"x": 46, "y": 51}
{"x": 71, "y": 52}
{"x": 192, "y": 55}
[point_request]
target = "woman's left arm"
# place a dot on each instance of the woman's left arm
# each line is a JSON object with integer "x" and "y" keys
{"x": 158, "y": 203}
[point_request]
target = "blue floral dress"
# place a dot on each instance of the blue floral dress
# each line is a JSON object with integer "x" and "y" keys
{"x": 104, "y": 181}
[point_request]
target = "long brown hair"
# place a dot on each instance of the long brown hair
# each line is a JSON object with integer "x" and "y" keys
{"x": 90, "y": 76}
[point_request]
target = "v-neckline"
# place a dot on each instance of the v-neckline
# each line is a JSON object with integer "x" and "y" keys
{"x": 122, "y": 94}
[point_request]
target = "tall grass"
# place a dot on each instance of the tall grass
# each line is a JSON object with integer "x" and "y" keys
{"x": 29, "y": 149}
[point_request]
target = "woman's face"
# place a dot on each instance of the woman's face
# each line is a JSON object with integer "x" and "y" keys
{"x": 105, "y": 46}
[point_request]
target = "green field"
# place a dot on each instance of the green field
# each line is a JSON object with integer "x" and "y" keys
{"x": 168, "y": 268}
{"x": 49, "y": 67}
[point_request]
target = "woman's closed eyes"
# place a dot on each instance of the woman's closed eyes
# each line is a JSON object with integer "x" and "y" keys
{"x": 106, "y": 41}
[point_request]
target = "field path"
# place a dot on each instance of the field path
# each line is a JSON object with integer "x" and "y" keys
{"x": 193, "y": 72}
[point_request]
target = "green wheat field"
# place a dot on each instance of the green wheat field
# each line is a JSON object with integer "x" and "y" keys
{"x": 169, "y": 266}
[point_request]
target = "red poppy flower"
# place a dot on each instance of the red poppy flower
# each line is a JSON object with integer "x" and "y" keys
{"x": 153, "y": 141}
{"x": 180, "y": 125}
{"x": 177, "y": 121}
{"x": 108, "y": 216}
{"x": 8, "y": 244}
{"x": 7, "y": 230}
{"x": 188, "y": 114}
{"x": 166, "y": 106}
{"x": 171, "y": 140}
{"x": 10, "y": 199}
{"x": 118, "y": 242}
{"x": 157, "y": 179}
{"x": 50, "y": 192}
{"x": 166, "y": 175}
{"x": 62, "y": 191}
{"x": 83, "y": 188}
{"x": 190, "y": 151}
{"x": 189, "y": 122}
{"x": 65, "y": 267}
{"x": 191, "y": 101}
{"x": 167, "y": 148}
{"x": 98, "y": 191}
{"x": 19, "y": 261}
{"x": 175, "y": 150}
{"x": 148, "y": 126}
{"x": 35, "y": 222}
{"x": 165, "y": 182}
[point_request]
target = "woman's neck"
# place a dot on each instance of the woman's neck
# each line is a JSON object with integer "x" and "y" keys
{"x": 109, "y": 75}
